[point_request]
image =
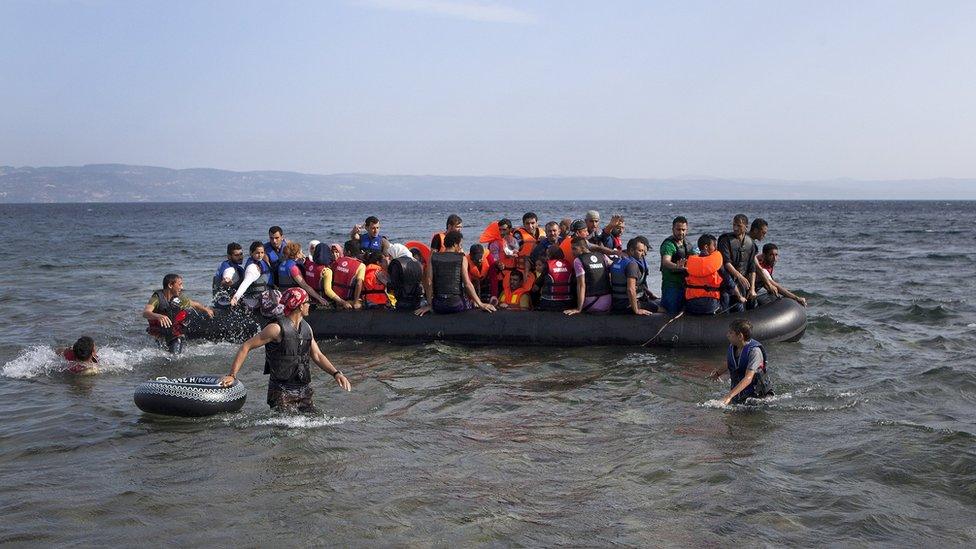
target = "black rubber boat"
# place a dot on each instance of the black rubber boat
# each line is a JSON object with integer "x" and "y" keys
{"x": 774, "y": 320}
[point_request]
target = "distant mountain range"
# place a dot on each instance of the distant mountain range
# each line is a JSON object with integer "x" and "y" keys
{"x": 124, "y": 183}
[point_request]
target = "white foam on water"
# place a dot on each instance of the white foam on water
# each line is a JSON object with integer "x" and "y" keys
{"x": 637, "y": 359}
{"x": 41, "y": 360}
{"x": 303, "y": 422}
{"x": 973, "y": 325}
{"x": 715, "y": 403}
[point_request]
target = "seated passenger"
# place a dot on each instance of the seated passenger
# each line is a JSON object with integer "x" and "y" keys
{"x": 766, "y": 263}
{"x": 347, "y": 277}
{"x": 703, "y": 285}
{"x": 576, "y": 230}
{"x": 628, "y": 278}
{"x": 526, "y": 238}
{"x": 374, "y": 287}
{"x": 316, "y": 265}
{"x": 503, "y": 252}
{"x": 229, "y": 274}
{"x": 290, "y": 275}
{"x": 454, "y": 223}
{"x": 479, "y": 268}
{"x": 738, "y": 254}
{"x": 406, "y": 278}
{"x": 542, "y": 246}
{"x": 515, "y": 296}
{"x": 82, "y": 357}
{"x": 447, "y": 283}
{"x": 554, "y": 282}
{"x": 369, "y": 237}
{"x": 257, "y": 278}
{"x": 592, "y": 279}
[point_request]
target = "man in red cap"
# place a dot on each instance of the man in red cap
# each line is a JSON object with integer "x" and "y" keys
{"x": 289, "y": 346}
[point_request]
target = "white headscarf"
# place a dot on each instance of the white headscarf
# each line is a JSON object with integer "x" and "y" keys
{"x": 396, "y": 251}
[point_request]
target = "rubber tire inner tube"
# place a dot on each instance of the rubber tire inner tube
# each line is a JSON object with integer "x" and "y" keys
{"x": 191, "y": 396}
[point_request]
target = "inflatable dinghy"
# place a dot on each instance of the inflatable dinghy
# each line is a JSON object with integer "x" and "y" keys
{"x": 774, "y": 320}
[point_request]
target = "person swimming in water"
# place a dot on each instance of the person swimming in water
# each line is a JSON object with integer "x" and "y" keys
{"x": 82, "y": 357}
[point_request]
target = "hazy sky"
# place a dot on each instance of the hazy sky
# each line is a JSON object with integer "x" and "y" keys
{"x": 778, "y": 89}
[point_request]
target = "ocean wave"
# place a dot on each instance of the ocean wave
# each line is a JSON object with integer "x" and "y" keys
{"x": 637, "y": 359}
{"x": 40, "y": 360}
{"x": 829, "y": 325}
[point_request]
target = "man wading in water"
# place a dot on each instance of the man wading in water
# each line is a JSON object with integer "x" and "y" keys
{"x": 289, "y": 346}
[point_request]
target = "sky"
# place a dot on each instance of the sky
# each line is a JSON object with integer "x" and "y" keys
{"x": 799, "y": 90}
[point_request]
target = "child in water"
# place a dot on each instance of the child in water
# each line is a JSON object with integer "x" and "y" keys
{"x": 746, "y": 365}
{"x": 82, "y": 357}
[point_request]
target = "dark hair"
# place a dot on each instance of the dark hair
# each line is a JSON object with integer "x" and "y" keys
{"x": 742, "y": 327}
{"x": 633, "y": 242}
{"x": 83, "y": 348}
{"x": 322, "y": 254}
{"x": 643, "y": 240}
{"x": 477, "y": 249}
{"x": 705, "y": 239}
{"x": 371, "y": 220}
{"x": 352, "y": 247}
{"x": 679, "y": 219}
{"x": 552, "y": 224}
{"x": 577, "y": 240}
{"x": 740, "y": 218}
{"x": 767, "y": 248}
{"x": 452, "y": 238}
{"x": 453, "y": 219}
{"x": 275, "y": 229}
{"x": 169, "y": 279}
{"x": 555, "y": 252}
{"x": 372, "y": 257}
{"x": 528, "y": 216}
{"x": 233, "y": 247}
{"x": 255, "y": 245}
{"x": 506, "y": 222}
{"x": 758, "y": 223}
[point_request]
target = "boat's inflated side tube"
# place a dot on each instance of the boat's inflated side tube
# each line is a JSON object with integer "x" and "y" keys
{"x": 191, "y": 396}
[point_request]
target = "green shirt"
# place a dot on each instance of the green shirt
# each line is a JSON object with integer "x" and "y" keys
{"x": 670, "y": 279}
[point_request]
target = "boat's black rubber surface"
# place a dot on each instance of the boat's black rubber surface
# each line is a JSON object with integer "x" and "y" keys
{"x": 189, "y": 396}
{"x": 774, "y": 320}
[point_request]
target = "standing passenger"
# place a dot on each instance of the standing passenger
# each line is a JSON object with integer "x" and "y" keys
{"x": 738, "y": 255}
{"x": 370, "y": 239}
{"x": 454, "y": 223}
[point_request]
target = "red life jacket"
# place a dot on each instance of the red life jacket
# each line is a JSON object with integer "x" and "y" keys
{"x": 703, "y": 279}
{"x": 313, "y": 275}
{"x": 373, "y": 290}
{"x": 558, "y": 283}
{"x": 344, "y": 276}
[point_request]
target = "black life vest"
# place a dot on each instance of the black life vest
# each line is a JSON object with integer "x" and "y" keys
{"x": 740, "y": 254}
{"x": 595, "y": 270}
{"x": 682, "y": 251}
{"x": 287, "y": 361}
{"x": 447, "y": 279}
{"x": 406, "y": 275}
{"x": 760, "y": 386}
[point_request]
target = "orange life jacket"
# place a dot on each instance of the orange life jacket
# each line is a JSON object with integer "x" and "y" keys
{"x": 512, "y": 298}
{"x": 703, "y": 279}
{"x": 478, "y": 272}
{"x": 440, "y": 238}
{"x": 567, "y": 247}
{"x": 529, "y": 240}
{"x": 373, "y": 290}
